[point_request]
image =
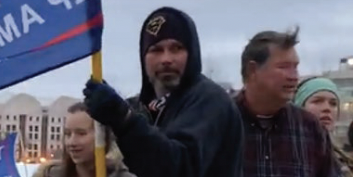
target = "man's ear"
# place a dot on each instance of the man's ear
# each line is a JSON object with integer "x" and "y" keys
{"x": 251, "y": 69}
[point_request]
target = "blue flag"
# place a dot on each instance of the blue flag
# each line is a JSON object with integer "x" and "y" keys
{"x": 37, "y": 36}
{"x": 7, "y": 158}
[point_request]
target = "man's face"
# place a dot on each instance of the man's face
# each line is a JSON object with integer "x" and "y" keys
{"x": 278, "y": 76}
{"x": 165, "y": 63}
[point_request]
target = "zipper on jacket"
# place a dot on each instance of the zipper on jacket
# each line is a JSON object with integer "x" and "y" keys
{"x": 158, "y": 117}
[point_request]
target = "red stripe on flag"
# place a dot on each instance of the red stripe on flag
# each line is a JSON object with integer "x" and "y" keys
{"x": 96, "y": 21}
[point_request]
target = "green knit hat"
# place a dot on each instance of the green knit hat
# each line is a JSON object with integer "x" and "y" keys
{"x": 313, "y": 86}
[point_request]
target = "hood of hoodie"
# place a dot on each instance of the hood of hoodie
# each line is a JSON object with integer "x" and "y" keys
{"x": 193, "y": 66}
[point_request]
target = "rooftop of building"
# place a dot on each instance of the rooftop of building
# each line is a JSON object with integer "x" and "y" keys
{"x": 28, "y": 104}
{"x": 339, "y": 74}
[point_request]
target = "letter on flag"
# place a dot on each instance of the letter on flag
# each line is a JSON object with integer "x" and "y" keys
{"x": 37, "y": 36}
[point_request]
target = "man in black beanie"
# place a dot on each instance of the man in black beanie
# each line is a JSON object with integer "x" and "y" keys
{"x": 189, "y": 126}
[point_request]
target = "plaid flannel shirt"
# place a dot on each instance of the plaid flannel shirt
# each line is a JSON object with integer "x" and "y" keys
{"x": 295, "y": 146}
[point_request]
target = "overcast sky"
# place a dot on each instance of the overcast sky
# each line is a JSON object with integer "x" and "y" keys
{"x": 224, "y": 26}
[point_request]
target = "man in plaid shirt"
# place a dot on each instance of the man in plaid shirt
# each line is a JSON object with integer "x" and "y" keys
{"x": 281, "y": 140}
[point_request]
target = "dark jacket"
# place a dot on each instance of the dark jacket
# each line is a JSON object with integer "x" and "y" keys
{"x": 199, "y": 133}
{"x": 350, "y": 134}
{"x": 345, "y": 161}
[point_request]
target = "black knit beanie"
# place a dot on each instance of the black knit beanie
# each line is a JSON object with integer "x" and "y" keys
{"x": 162, "y": 26}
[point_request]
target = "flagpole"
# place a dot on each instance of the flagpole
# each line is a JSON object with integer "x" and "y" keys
{"x": 100, "y": 154}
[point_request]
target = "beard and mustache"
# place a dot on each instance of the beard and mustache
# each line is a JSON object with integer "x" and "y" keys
{"x": 167, "y": 77}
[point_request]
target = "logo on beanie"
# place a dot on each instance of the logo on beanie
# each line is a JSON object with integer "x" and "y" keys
{"x": 154, "y": 25}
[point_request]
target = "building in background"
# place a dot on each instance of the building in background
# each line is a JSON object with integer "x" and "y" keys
{"x": 40, "y": 127}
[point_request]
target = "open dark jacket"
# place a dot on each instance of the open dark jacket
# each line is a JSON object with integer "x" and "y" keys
{"x": 199, "y": 133}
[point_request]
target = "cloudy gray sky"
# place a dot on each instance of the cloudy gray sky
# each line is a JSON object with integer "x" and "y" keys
{"x": 224, "y": 27}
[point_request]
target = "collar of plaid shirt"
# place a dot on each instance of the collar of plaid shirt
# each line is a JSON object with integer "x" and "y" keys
{"x": 253, "y": 119}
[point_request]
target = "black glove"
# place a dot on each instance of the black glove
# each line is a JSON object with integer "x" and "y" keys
{"x": 105, "y": 105}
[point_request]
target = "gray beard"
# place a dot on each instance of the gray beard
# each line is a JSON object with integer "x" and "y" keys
{"x": 163, "y": 87}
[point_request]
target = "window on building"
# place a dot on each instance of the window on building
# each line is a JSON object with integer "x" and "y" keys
{"x": 52, "y": 137}
{"x": 0, "y": 117}
{"x": 30, "y": 136}
{"x": 30, "y": 118}
{"x": 52, "y": 119}
{"x": 36, "y": 136}
{"x": 59, "y": 119}
{"x": 29, "y": 146}
{"x": 51, "y": 146}
{"x": 15, "y": 118}
{"x": 7, "y": 117}
{"x": 53, "y": 129}
{"x": 13, "y": 127}
{"x": 35, "y": 147}
{"x": 58, "y": 129}
{"x": 58, "y": 137}
{"x": 8, "y": 128}
{"x": 45, "y": 110}
{"x": 58, "y": 146}
{"x": 37, "y": 119}
{"x": 36, "y": 128}
{"x": 35, "y": 154}
{"x": 30, "y": 128}
{"x": 23, "y": 116}
{"x": 30, "y": 154}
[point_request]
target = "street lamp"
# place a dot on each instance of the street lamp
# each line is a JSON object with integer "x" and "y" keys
{"x": 346, "y": 106}
{"x": 42, "y": 160}
{"x": 350, "y": 61}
